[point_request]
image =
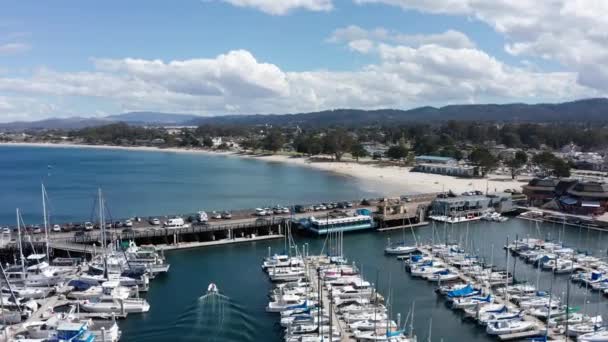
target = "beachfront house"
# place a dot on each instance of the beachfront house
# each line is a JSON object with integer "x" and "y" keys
{"x": 442, "y": 166}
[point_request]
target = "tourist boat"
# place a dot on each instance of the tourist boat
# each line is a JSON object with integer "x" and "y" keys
{"x": 322, "y": 226}
{"x": 509, "y": 327}
{"x": 116, "y": 306}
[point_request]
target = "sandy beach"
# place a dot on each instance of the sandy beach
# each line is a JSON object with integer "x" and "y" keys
{"x": 389, "y": 180}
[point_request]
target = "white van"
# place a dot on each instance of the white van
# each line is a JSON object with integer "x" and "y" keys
{"x": 177, "y": 222}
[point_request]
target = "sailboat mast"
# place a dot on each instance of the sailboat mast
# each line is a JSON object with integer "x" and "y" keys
{"x": 102, "y": 226}
{"x": 20, "y": 242}
{"x": 46, "y": 223}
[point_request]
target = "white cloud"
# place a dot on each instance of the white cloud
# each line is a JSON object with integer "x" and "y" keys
{"x": 572, "y": 32}
{"x": 282, "y": 7}
{"x": 449, "y": 38}
{"x": 13, "y": 48}
{"x": 408, "y": 71}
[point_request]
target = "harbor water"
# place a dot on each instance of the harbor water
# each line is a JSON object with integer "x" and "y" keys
{"x": 153, "y": 183}
{"x": 236, "y": 271}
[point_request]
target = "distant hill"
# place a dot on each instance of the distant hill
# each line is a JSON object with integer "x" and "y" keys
{"x": 582, "y": 110}
{"x": 588, "y": 110}
{"x": 69, "y": 123}
{"x": 154, "y": 118}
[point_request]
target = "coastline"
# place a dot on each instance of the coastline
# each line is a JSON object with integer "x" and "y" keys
{"x": 389, "y": 180}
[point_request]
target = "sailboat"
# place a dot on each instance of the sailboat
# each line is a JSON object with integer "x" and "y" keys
{"x": 402, "y": 248}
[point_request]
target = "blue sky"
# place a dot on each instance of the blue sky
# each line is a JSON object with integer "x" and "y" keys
{"x": 213, "y": 57}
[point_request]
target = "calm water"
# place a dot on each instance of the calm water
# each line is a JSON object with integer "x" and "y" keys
{"x": 153, "y": 183}
{"x": 177, "y": 313}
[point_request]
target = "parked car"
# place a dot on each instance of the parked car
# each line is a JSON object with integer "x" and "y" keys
{"x": 6, "y": 231}
{"x": 88, "y": 226}
{"x": 260, "y": 212}
{"x": 226, "y": 215}
{"x": 128, "y": 223}
{"x": 37, "y": 230}
{"x": 56, "y": 228}
{"x": 117, "y": 224}
{"x": 216, "y": 215}
{"x": 155, "y": 222}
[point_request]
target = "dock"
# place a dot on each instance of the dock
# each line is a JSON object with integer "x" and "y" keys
{"x": 413, "y": 225}
{"x": 312, "y": 263}
{"x": 541, "y": 328}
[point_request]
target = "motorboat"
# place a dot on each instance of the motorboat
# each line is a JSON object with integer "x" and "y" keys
{"x": 509, "y": 327}
{"x": 212, "y": 289}
{"x": 598, "y": 336}
{"x": 116, "y": 306}
{"x": 289, "y": 302}
{"x": 400, "y": 249}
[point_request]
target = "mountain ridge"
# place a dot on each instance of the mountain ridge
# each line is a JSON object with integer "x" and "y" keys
{"x": 584, "y": 110}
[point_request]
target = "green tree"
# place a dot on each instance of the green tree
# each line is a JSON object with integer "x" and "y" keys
{"x": 358, "y": 151}
{"x": 545, "y": 161}
{"x": 207, "y": 142}
{"x": 482, "y": 157}
{"x": 274, "y": 140}
{"x": 337, "y": 143}
{"x": 397, "y": 152}
{"x": 561, "y": 168}
{"x": 515, "y": 163}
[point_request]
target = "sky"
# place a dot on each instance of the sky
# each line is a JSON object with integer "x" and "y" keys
{"x": 213, "y": 57}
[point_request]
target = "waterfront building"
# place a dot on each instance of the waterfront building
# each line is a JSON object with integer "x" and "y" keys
{"x": 568, "y": 195}
{"x": 442, "y": 166}
{"x": 471, "y": 206}
{"x": 435, "y": 160}
{"x": 540, "y": 190}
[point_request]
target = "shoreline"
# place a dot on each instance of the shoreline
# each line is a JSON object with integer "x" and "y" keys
{"x": 388, "y": 180}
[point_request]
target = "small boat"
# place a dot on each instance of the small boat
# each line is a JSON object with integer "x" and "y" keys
{"x": 509, "y": 327}
{"x": 597, "y": 336}
{"x": 212, "y": 289}
{"x": 116, "y": 306}
{"x": 73, "y": 332}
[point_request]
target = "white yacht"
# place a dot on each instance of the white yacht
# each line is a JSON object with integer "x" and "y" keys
{"x": 116, "y": 306}
{"x": 509, "y": 327}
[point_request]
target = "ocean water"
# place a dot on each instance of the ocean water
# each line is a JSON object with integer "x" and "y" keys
{"x": 153, "y": 183}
